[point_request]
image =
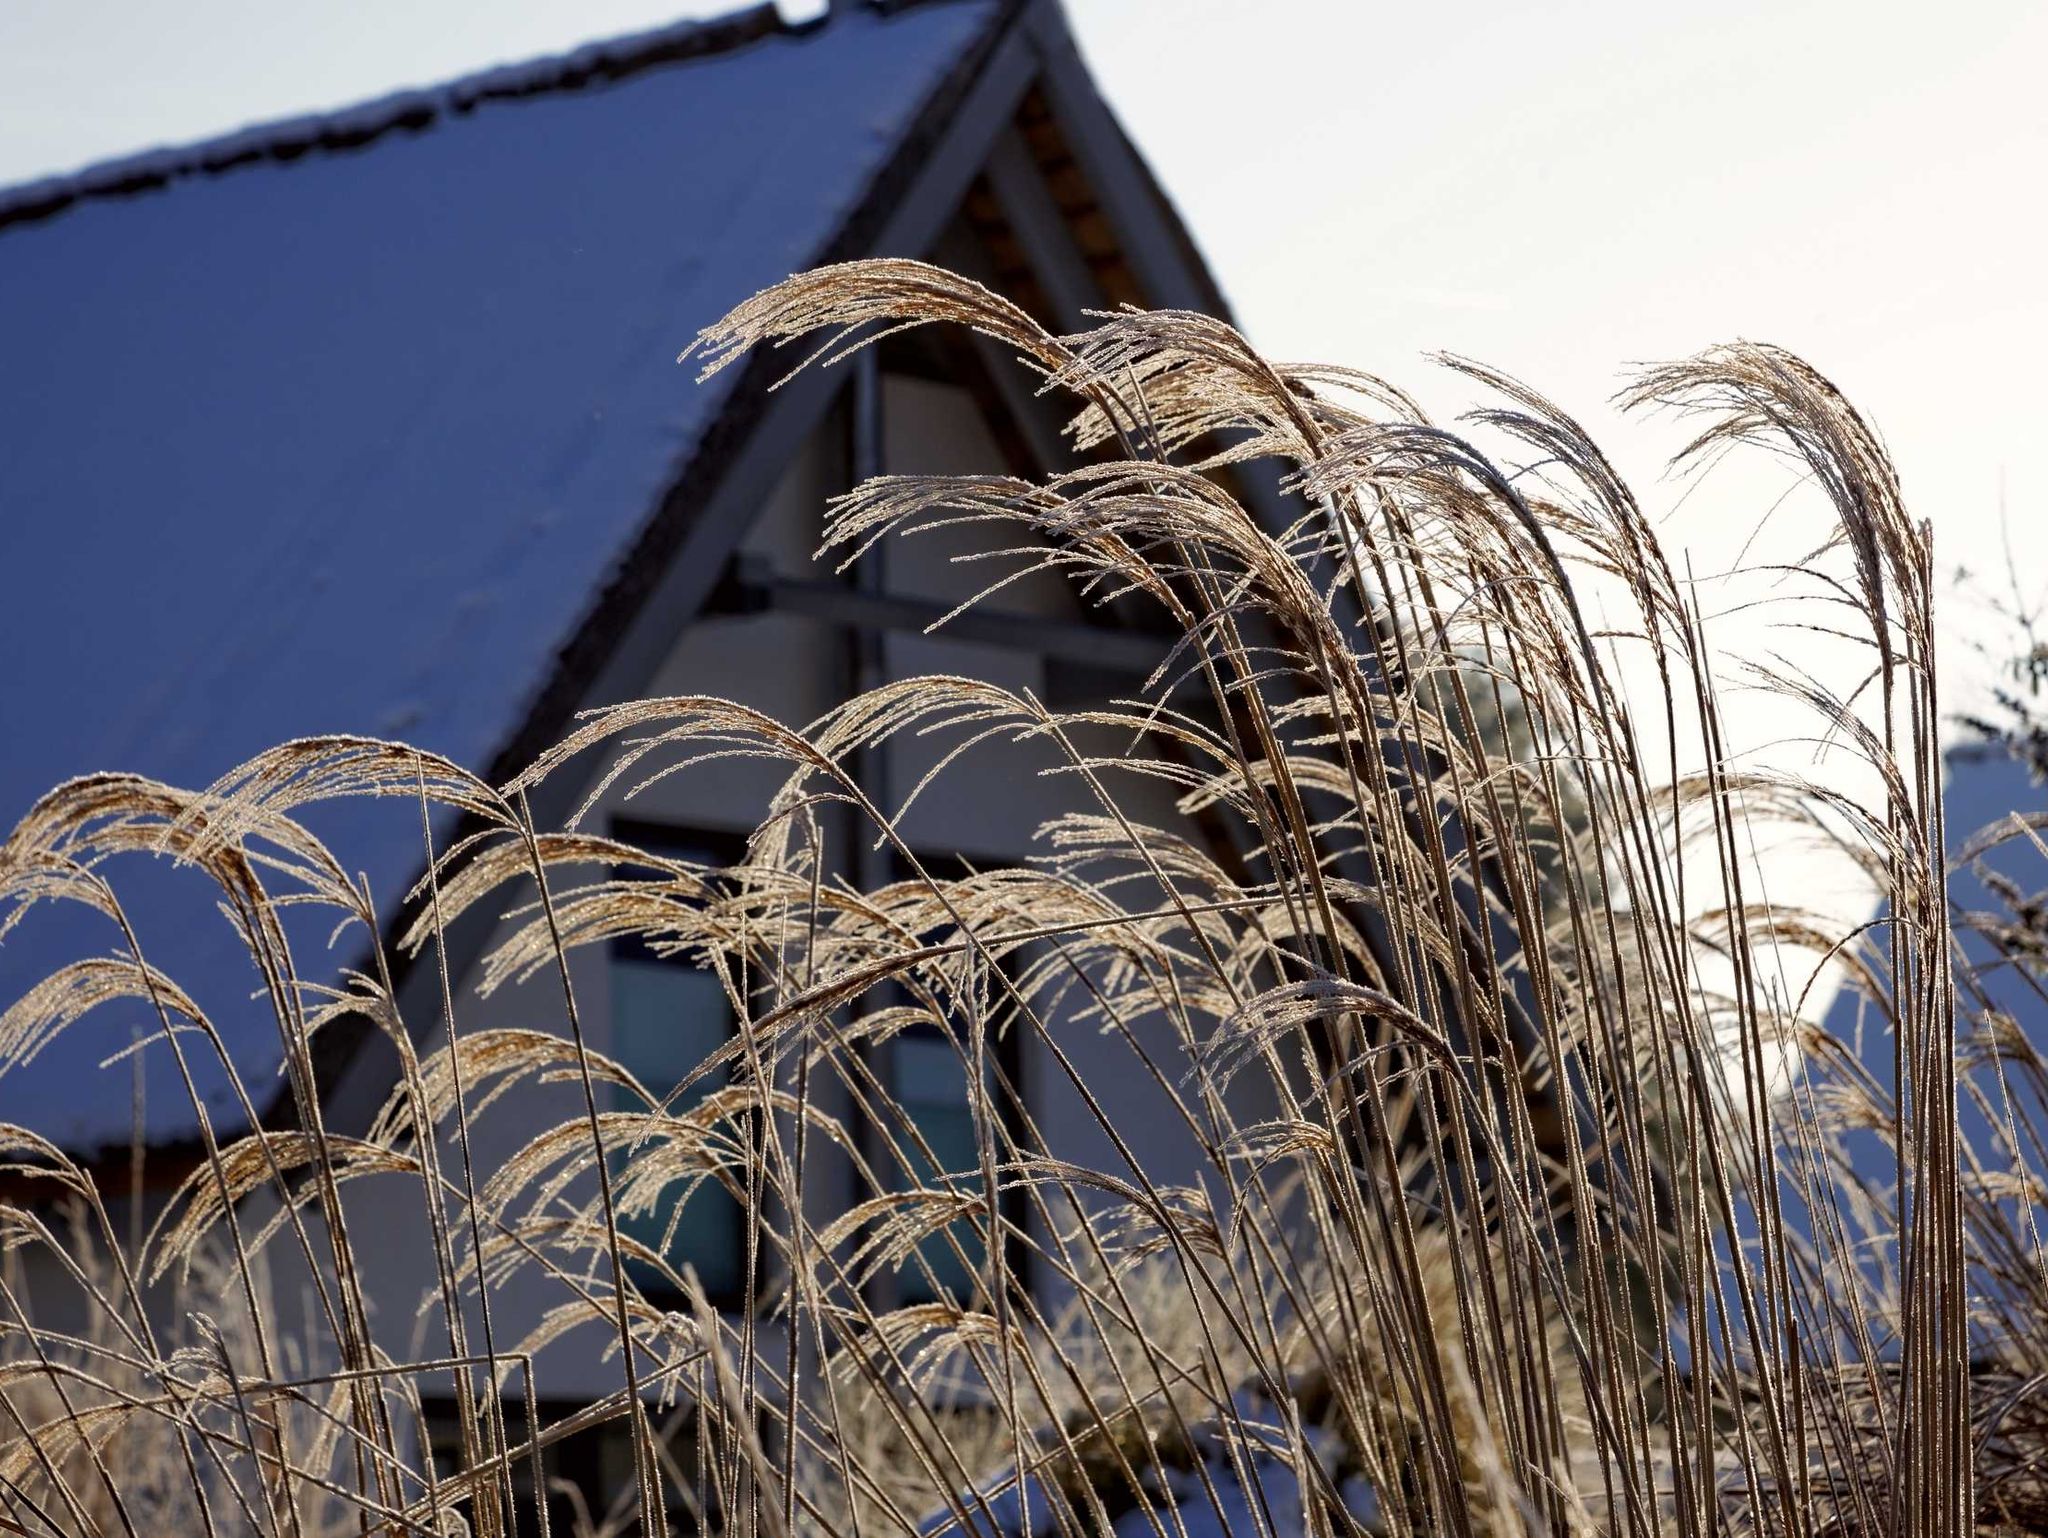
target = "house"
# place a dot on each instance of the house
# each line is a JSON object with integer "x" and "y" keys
{"x": 1991, "y": 808}
{"x": 370, "y": 422}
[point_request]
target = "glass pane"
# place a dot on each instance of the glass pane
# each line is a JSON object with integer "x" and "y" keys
{"x": 667, "y": 1017}
{"x": 929, "y": 1071}
{"x": 931, "y": 1086}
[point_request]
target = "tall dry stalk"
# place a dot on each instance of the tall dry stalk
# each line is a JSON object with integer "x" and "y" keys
{"x": 1519, "y": 1200}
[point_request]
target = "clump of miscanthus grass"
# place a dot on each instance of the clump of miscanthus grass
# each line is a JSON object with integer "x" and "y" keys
{"x": 1544, "y": 1219}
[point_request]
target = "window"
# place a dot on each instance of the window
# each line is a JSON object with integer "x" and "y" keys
{"x": 926, "y": 1073}
{"x": 569, "y": 1462}
{"x": 668, "y": 1015}
{"x": 587, "y": 1474}
{"x": 930, "y": 1084}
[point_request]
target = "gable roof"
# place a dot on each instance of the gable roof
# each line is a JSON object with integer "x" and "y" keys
{"x": 349, "y": 424}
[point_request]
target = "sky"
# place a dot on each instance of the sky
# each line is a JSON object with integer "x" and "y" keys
{"x": 1563, "y": 191}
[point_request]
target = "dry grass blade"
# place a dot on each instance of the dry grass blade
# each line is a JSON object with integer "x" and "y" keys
{"x": 1515, "y": 1195}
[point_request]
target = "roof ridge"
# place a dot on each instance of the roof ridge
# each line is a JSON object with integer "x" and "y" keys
{"x": 409, "y": 110}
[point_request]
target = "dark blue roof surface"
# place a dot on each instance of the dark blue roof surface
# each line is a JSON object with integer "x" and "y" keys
{"x": 351, "y": 441}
